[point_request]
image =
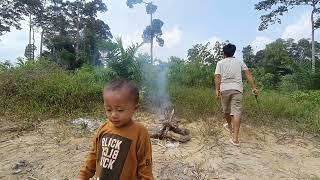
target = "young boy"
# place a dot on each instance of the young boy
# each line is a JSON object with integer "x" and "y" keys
{"x": 229, "y": 87}
{"x": 122, "y": 147}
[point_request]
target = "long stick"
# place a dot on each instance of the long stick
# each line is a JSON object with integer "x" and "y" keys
{"x": 256, "y": 97}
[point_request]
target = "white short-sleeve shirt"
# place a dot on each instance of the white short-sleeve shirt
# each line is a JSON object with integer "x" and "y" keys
{"x": 230, "y": 70}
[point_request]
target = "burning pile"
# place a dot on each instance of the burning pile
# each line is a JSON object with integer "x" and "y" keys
{"x": 171, "y": 130}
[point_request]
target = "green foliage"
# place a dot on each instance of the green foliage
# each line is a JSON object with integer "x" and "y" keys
{"x": 191, "y": 74}
{"x": 282, "y": 109}
{"x": 285, "y": 65}
{"x": 122, "y": 61}
{"x": 276, "y": 9}
{"x": 130, "y": 3}
{"x": 288, "y": 83}
{"x": 154, "y": 31}
{"x": 151, "y": 8}
{"x": 277, "y": 60}
{"x": 191, "y": 89}
{"x": 268, "y": 80}
{"x": 248, "y": 56}
{"x": 198, "y": 69}
{"x": 193, "y": 103}
{"x": 315, "y": 81}
{"x": 14, "y": 11}
{"x": 41, "y": 88}
{"x": 5, "y": 65}
{"x": 201, "y": 54}
{"x": 303, "y": 113}
{"x": 311, "y": 96}
{"x": 279, "y": 8}
{"x": 70, "y": 29}
{"x": 263, "y": 80}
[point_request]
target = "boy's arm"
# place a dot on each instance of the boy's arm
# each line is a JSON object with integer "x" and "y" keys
{"x": 250, "y": 79}
{"x": 144, "y": 155}
{"x": 217, "y": 80}
{"x": 89, "y": 168}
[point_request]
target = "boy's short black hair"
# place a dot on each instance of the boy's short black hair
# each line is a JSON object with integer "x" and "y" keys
{"x": 229, "y": 50}
{"x": 120, "y": 83}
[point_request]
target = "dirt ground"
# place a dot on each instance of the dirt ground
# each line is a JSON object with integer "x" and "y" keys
{"x": 56, "y": 149}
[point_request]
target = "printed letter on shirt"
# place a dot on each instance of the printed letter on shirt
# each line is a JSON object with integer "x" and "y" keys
{"x": 113, "y": 154}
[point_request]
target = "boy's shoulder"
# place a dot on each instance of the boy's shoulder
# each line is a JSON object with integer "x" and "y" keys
{"x": 222, "y": 61}
{"x": 102, "y": 126}
{"x": 135, "y": 126}
{"x": 139, "y": 126}
{"x": 227, "y": 60}
{"x": 139, "y": 130}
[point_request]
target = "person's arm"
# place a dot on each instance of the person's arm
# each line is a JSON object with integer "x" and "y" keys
{"x": 217, "y": 80}
{"x": 144, "y": 155}
{"x": 89, "y": 168}
{"x": 250, "y": 79}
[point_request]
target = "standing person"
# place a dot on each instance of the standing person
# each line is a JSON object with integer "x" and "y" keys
{"x": 121, "y": 148}
{"x": 229, "y": 87}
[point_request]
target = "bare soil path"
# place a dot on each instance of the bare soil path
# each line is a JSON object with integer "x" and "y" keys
{"x": 56, "y": 149}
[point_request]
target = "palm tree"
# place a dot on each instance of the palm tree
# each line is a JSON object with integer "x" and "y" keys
{"x": 121, "y": 60}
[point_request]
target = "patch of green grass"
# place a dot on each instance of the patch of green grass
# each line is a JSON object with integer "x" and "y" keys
{"x": 280, "y": 109}
{"x": 192, "y": 103}
{"x": 43, "y": 89}
{"x": 273, "y": 108}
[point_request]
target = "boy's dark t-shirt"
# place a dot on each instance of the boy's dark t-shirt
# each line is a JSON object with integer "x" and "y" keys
{"x": 119, "y": 153}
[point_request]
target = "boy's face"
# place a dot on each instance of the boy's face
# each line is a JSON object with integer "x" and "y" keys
{"x": 119, "y": 106}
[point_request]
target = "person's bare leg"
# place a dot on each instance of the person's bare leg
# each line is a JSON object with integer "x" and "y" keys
{"x": 236, "y": 128}
{"x": 227, "y": 117}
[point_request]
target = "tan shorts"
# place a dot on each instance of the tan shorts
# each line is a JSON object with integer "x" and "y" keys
{"x": 231, "y": 102}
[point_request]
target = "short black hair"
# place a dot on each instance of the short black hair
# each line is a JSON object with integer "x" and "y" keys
{"x": 229, "y": 50}
{"x": 120, "y": 83}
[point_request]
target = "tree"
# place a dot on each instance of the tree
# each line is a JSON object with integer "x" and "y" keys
{"x": 305, "y": 47}
{"x": 83, "y": 19}
{"x": 279, "y": 7}
{"x": 154, "y": 29}
{"x": 218, "y": 50}
{"x": 301, "y": 52}
{"x": 248, "y": 56}
{"x": 175, "y": 60}
{"x": 201, "y": 54}
{"x": 71, "y": 31}
{"x": 258, "y": 58}
{"x": 5, "y": 65}
{"x": 121, "y": 60}
{"x": 14, "y": 11}
{"x": 277, "y": 60}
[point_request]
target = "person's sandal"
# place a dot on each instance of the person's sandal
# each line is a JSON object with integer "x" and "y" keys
{"x": 233, "y": 143}
{"x": 225, "y": 125}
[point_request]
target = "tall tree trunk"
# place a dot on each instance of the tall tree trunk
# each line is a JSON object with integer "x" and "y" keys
{"x": 78, "y": 33}
{"x": 33, "y": 46}
{"x": 312, "y": 38}
{"x": 151, "y": 43}
{"x": 41, "y": 42}
{"x": 30, "y": 28}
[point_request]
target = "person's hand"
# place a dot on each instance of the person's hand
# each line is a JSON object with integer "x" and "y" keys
{"x": 218, "y": 93}
{"x": 255, "y": 91}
